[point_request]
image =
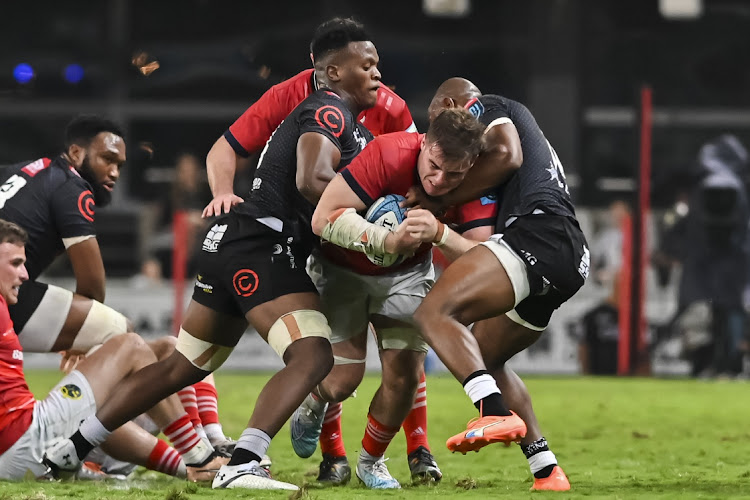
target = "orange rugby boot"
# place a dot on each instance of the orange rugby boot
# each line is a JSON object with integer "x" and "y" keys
{"x": 557, "y": 481}
{"x": 482, "y": 431}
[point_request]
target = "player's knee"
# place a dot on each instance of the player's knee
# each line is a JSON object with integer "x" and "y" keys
{"x": 303, "y": 329}
{"x": 204, "y": 356}
{"x": 312, "y": 356}
{"x": 131, "y": 346}
{"x": 401, "y": 381}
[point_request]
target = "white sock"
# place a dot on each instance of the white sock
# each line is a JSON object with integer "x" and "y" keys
{"x": 201, "y": 432}
{"x": 480, "y": 387}
{"x": 366, "y": 457}
{"x": 214, "y": 432}
{"x": 93, "y": 431}
{"x": 255, "y": 441}
{"x": 316, "y": 403}
{"x": 541, "y": 460}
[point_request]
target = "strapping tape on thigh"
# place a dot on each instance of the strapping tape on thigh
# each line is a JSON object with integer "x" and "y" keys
{"x": 201, "y": 354}
{"x": 296, "y": 325}
{"x": 101, "y": 324}
{"x": 341, "y": 360}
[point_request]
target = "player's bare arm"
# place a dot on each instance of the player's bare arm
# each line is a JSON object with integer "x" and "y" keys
{"x": 221, "y": 164}
{"x": 88, "y": 268}
{"x": 317, "y": 156}
{"x": 422, "y": 225}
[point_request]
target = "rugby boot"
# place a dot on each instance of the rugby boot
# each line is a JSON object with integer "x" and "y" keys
{"x": 482, "y": 431}
{"x": 62, "y": 459}
{"x": 374, "y": 473}
{"x": 250, "y": 476}
{"x": 557, "y": 481}
{"x": 423, "y": 467}
{"x": 334, "y": 470}
{"x": 306, "y": 424}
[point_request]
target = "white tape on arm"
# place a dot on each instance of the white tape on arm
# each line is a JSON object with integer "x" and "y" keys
{"x": 349, "y": 230}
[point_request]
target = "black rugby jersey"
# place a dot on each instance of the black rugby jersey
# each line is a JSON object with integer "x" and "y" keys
{"x": 51, "y": 201}
{"x": 540, "y": 182}
{"x": 274, "y": 194}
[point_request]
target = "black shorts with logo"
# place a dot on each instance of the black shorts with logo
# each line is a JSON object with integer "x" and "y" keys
{"x": 557, "y": 262}
{"x": 243, "y": 263}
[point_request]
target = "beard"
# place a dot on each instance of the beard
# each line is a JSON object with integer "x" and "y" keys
{"x": 102, "y": 197}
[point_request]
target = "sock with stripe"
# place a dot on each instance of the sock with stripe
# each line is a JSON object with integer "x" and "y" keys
{"x": 164, "y": 458}
{"x": 484, "y": 393}
{"x": 190, "y": 403}
{"x": 186, "y": 441}
{"x": 415, "y": 424}
{"x": 331, "y": 440}
{"x": 252, "y": 445}
{"x": 541, "y": 460}
{"x": 377, "y": 437}
{"x": 208, "y": 411}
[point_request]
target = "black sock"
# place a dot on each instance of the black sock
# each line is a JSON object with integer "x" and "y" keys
{"x": 243, "y": 456}
{"x": 532, "y": 449}
{"x": 83, "y": 447}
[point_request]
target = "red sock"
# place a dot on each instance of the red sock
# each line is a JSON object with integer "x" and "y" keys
{"x": 190, "y": 403}
{"x": 181, "y": 434}
{"x": 164, "y": 458}
{"x": 377, "y": 437}
{"x": 208, "y": 403}
{"x": 331, "y": 440}
{"x": 415, "y": 424}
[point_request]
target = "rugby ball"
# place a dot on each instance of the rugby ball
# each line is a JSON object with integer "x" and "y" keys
{"x": 387, "y": 213}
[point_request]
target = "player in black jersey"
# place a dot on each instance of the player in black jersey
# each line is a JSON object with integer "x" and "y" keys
{"x": 54, "y": 200}
{"x": 517, "y": 278}
{"x": 252, "y": 266}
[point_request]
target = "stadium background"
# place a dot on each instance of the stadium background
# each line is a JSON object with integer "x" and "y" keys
{"x": 578, "y": 65}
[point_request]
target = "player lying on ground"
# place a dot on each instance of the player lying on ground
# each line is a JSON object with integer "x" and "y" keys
{"x": 55, "y": 201}
{"x": 248, "y": 135}
{"x": 355, "y": 291}
{"x": 517, "y": 277}
{"x": 28, "y": 426}
{"x": 252, "y": 267}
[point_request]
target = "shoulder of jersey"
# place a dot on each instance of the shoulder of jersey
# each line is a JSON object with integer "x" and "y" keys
{"x": 390, "y": 100}
{"x": 300, "y": 82}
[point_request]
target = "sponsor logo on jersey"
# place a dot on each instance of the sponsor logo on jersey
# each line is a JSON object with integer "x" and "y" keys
{"x": 34, "y": 168}
{"x": 203, "y": 286}
{"x": 475, "y": 107}
{"x": 332, "y": 118}
{"x": 86, "y": 205}
{"x": 70, "y": 391}
{"x": 213, "y": 237}
{"x": 17, "y": 355}
{"x": 256, "y": 182}
{"x": 360, "y": 139}
{"x": 529, "y": 258}
{"x": 245, "y": 282}
{"x": 488, "y": 200}
{"x": 583, "y": 267}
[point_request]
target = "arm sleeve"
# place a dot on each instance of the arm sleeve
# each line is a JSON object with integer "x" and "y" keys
{"x": 366, "y": 174}
{"x": 250, "y": 131}
{"x": 73, "y": 210}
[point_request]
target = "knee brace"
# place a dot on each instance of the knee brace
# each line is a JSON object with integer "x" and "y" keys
{"x": 201, "y": 354}
{"x": 101, "y": 324}
{"x": 296, "y": 325}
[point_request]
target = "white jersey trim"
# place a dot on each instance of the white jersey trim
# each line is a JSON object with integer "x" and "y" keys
{"x": 498, "y": 121}
{"x": 69, "y": 242}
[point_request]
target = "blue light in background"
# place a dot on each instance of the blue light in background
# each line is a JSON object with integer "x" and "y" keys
{"x": 23, "y": 73}
{"x": 73, "y": 73}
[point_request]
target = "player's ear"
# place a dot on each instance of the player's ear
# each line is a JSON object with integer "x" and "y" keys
{"x": 76, "y": 154}
{"x": 333, "y": 73}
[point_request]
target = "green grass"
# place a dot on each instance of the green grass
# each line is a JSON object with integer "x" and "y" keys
{"x": 615, "y": 438}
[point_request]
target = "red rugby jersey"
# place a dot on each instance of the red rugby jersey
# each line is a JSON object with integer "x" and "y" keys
{"x": 250, "y": 132}
{"x": 16, "y": 400}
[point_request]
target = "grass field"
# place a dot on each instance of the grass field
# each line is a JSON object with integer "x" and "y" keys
{"x": 615, "y": 438}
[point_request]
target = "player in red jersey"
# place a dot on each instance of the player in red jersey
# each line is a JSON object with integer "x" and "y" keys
{"x": 361, "y": 292}
{"x": 28, "y": 426}
{"x": 249, "y": 134}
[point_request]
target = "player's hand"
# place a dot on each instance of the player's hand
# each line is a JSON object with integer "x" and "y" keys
{"x": 417, "y": 198}
{"x": 421, "y": 224}
{"x": 401, "y": 242}
{"x": 70, "y": 360}
{"x": 221, "y": 204}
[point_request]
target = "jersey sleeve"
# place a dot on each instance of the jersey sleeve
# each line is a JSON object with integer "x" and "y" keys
{"x": 250, "y": 131}
{"x": 490, "y": 111}
{"x": 73, "y": 208}
{"x": 477, "y": 213}
{"x": 401, "y": 120}
{"x": 328, "y": 117}
{"x": 366, "y": 174}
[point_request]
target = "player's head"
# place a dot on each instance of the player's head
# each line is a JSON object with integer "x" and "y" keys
{"x": 96, "y": 148}
{"x": 346, "y": 61}
{"x": 449, "y": 149}
{"x": 452, "y": 93}
{"x": 12, "y": 260}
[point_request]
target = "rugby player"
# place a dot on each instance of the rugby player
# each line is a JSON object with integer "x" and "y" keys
{"x": 28, "y": 426}
{"x": 354, "y": 291}
{"x": 251, "y": 267}
{"x": 55, "y": 201}
{"x": 247, "y": 135}
{"x": 537, "y": 261}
